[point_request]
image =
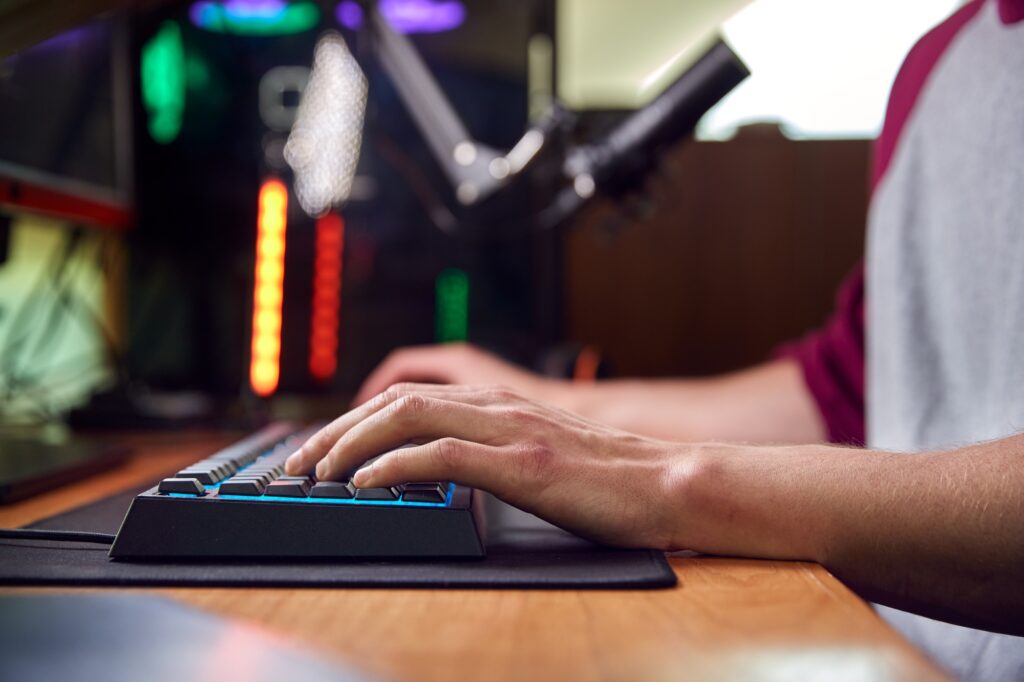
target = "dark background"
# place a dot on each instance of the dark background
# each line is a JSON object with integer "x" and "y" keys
{"x": 726, "y": 250}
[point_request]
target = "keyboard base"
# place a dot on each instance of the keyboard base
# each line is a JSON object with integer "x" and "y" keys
{"x": 163, "y": 527}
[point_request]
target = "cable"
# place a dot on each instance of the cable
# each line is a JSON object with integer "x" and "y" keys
{"x": 55, "y": 535}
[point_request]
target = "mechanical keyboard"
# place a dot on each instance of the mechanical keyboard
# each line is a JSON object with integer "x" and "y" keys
{"x": 237, "y": 503}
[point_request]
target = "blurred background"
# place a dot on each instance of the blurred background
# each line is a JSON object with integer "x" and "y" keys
{"x": 214, "y": 211}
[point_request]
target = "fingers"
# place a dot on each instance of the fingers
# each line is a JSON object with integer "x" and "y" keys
{"x": 314, "y": 449}
{"x": 445, "y": 459}
{"x": 506, "y": 471}
{"x": 413, "y": 418}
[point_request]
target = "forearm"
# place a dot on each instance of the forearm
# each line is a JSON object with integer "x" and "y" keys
{"x": 765, "y": 404}
{"x": 938, "y": 534}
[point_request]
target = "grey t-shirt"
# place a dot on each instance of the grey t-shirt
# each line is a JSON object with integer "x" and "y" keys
{"x": 945, "y": 287}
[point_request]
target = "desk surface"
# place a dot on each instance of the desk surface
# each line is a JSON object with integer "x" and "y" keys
{"x": 727, "y": 618}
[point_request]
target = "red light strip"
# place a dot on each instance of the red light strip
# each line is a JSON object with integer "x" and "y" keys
{"x": 63, "y": 204}
{"x": 268, "y": 292}
{"x": 323, "y": 333}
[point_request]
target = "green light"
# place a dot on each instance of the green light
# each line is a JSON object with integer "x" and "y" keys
{"x": 228, "y": 18}
{"x": 452, "y": 306}
{"x": 163, "y": 82}
{"x": 197, "y": 73}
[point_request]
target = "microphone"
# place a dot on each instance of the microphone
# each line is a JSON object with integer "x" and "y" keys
{"x": 631, "y": 148}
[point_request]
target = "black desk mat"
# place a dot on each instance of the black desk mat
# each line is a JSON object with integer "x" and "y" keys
{"x": 522, "y": 552}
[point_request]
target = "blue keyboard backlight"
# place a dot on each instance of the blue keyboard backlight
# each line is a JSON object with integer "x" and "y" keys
{"x": 212, "y": 489}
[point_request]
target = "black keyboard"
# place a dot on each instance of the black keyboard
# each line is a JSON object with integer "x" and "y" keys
{"x": 237, "y": 503}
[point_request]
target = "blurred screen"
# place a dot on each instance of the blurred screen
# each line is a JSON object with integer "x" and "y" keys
{"x": 59, "y": 113}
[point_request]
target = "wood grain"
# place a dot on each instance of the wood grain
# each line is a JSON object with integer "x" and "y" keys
{"x": 727, "y": 618}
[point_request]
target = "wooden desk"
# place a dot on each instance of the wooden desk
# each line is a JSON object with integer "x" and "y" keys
{"x": 727, "y": 618}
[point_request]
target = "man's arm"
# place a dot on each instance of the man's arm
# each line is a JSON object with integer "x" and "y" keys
{"x": 937, "y": 533}
{"x": 768, "y": 403}
{"x": 940, "y": 534}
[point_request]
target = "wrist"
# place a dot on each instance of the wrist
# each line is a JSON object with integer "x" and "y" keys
{"x": 690, "y": 483}
{"x": 754, "y": 501}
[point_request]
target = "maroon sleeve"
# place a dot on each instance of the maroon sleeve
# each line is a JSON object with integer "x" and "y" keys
{"x": 832, "y": 359}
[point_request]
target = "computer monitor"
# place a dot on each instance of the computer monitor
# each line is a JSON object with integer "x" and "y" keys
{"x": 64, "y": 155}
{"x": 64, "y": 118}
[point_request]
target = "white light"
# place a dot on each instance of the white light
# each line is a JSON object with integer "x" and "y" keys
{"x": 584, "y": 185}
{"x": 525, "y": 149}
{"x": 465, "y": 153}
{"x": 499, "y": 168}
{"x": 820, "y": 68}
{"x": 323, "y": 147}
{"x": 467, "y": 193}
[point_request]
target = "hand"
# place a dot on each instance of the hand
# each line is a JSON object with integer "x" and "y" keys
{"x": 598, "y": 482}
{"x": 451, "y": 364}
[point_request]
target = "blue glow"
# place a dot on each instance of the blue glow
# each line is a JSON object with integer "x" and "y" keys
{"x": 212, "y": 489}
{"x": 213, "y": 493}
{"x": 332, "y": 500}
{"x": 254, "y": 17}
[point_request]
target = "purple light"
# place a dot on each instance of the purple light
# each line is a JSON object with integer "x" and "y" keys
{"x": 408, "y": 16}
{"x": 350, "y": 15}
{"x": 66, "y": 39}
{"x": 255, "y": 8}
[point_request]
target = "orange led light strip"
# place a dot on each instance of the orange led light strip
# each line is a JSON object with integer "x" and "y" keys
{"x": 268, "y": 292}
{"x": 323, "y": 334}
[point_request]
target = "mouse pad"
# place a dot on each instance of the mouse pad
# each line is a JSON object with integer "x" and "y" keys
{"x": 522, "y": 552}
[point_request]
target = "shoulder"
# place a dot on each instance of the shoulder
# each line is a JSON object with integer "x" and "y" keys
{"x": 911, "y": 79}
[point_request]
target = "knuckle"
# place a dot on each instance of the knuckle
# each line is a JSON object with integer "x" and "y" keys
{"x": 397, "y": 355}
{"x": 410, "y": 406}
{"x": 386, "y": 397}
{"x": 448, "y": 451}
{"x": 504, "y": 394}
{"x": 521, "y": 418}
{"x": 532, "y": 460}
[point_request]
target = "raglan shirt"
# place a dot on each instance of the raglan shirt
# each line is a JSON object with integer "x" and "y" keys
{"x": 921, "y": 353}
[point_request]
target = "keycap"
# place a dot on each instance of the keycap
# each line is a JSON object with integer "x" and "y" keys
{"x": 245, "y": 476}
{"x": 189, "y": 486}
{"x": 376, "y": 494}
{"x": 233, "y": 487}
{"x": 201, "y": 475}
{"x": 270, "y": 473}
{"x": 293, "y": 479}
{"x": 425, "y": 492}
{"x": 288, "y": 489}
{"x": 333, "y": 489}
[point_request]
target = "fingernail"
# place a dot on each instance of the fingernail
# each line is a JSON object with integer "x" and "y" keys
{"x": 363, "y": 476}
{"x": 321, "y": 470}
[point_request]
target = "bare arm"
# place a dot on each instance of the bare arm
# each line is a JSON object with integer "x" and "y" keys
{"x": 768, "y": 403}
{"x": 765, "y": 404}
{"x": 941, "y": 534}
{"x": 936, "y": 533}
